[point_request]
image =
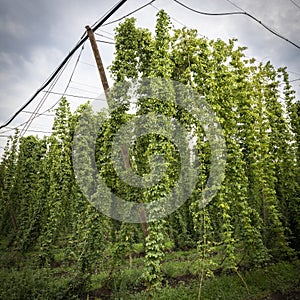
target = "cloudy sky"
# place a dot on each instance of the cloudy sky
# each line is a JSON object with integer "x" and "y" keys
{"x": 36, "y": 35}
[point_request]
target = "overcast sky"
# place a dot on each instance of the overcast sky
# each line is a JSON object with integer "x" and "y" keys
{"x": 36, "y": 35}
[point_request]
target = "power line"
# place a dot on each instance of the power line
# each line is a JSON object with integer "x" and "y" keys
{"x": 84, "y": 84}
{"x": 38, "y": 131}
{"x": 239, "y": 13}
{"x": 136, "y": 10}
{"x": 29, "y": 130}
{"x": 47, "y": 94}
{"x": 105, "y": 36}
{"x": 75, "y": 96}
{"x": 294, "y": 80}
{"x": 70, "y": 80}
{"x": 88, "y": 64}
{"x": 107, "y": 32}
{"x": 296, "y": 4}
{"x": 74, "y": 69}
{"x": 60, "y": 94}
{"x": 208, "y": 13}
{"x": 170, "y": 16}
{"x": 42, "y": 101}
{"x": 10, "y": 129}
{"x": 40, "y": 114}
{"x": 179, "y": 22}
{"x": 101, "y": 20}
{"x": 235, "y": 5}
{"x": 238, "y": 7}
{"x": 83, "y": 90}
{"x": 101, "y": 23}
{"x": 105, "y": 42}
{"x": 67, "y": 58}
{"x": 297, "y": 73}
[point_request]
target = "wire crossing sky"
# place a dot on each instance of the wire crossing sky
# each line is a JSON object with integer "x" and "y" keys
{"x": 37, "y": 35}
{"x": 240, "y": 13}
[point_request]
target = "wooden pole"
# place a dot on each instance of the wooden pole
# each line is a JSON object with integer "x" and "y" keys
{"x": 105, "y": 85}
{"x": 98, "y": 60}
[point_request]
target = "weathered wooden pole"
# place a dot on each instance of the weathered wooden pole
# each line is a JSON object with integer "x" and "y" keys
{"x": 105, "y": 85}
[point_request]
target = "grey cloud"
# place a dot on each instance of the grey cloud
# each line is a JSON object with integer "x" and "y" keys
{"x": 24, "y": 24}
{"x": 35, "y": 35}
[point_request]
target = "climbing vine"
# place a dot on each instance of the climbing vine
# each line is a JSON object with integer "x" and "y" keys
{"x": 254, "y": 217}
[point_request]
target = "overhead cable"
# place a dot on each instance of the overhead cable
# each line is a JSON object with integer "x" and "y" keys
{"x": 80, "y": 43}
{"x": 75, "y": 96}
{"x": 296, "y": 4}
{"x": 105, "y": 42}
{"x": 136, "y": 10}
{"x": 105, "y": 36}
{"x": 35, "y": 114}
{"x": 40, "y": 114}
{"x": 239, "y": 13}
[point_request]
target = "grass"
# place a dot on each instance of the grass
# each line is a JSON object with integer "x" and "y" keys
{"x": 181, "y": 283}
{"x": 22, "y": 278}
{"x": 281, "y": 278}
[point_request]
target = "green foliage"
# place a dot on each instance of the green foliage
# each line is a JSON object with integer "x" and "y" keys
{"x": 58, "y": 199}
{"x": 278, "y": 279}
{"x": 8, "y": 198}
{"x": 39, "y": 284}
{"x": 247, "y": 218}
{"x": 253, "y": 220}
{"x": 30, "y": 190}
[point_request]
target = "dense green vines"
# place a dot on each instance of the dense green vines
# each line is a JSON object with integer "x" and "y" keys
{"x": 254, "y": 218}
{"x": 8, "y": 198}
{"x": 248, "y": 211}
